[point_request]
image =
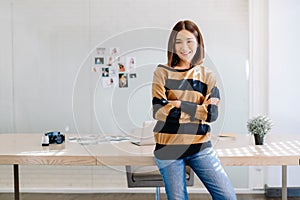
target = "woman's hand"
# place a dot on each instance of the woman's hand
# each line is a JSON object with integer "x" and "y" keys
{"x": 175, "y": 103}
{"x": 212, "y": 101}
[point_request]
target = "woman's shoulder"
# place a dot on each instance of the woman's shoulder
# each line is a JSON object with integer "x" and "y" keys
{"x": 164, "y": 66}
{"x": 161, "y": 70}
{"x": 206, "y": 74}
{"x": 204, "y": 70}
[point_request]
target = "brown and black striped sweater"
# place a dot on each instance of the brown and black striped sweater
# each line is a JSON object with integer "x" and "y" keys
{"x": 184, "y": 131}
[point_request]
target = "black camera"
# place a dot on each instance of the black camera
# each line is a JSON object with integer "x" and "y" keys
{"x": 55, "y": 137}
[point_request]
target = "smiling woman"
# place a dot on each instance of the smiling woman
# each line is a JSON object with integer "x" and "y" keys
{"x": 185, "y": 100}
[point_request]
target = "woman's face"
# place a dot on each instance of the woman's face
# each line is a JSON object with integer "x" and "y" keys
{"x": 185, "y": 46}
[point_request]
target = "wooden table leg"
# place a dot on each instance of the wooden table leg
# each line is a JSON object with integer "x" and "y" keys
{"x": 284, "y": 183}
{"x": 16, "y": 182}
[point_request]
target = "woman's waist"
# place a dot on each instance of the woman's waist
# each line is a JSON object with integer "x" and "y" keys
{"x": 182, "y": 128}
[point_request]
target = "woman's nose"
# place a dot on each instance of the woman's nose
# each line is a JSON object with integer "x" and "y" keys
{"x": 185, "y": 46}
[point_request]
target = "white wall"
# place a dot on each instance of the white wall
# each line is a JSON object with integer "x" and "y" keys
{"x": 284, "y": 70}
{"x": 6, "y": 69}
{"x": 51, "y": 40}
{"x": 46, "y": 76}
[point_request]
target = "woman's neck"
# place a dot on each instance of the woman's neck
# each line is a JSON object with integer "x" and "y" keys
{"x": 183, "y": 65}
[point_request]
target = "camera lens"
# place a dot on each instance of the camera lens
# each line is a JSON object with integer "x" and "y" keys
{"x": 58, "y": 139}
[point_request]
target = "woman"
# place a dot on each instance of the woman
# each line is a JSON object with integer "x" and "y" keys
{"x": 185, "y": 100}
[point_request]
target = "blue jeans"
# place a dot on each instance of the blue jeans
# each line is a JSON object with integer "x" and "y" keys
{"x": 207, "y": 167}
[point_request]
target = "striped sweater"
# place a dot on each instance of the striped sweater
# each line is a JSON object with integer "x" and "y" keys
{"x": 181, "y": 132}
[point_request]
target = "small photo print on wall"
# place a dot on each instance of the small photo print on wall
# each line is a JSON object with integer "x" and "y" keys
{"x": 118, "y": 60}
{"x": 130, "y": 63}
{"x": 110, "y": 60}
{"x": 100, "y": 50}
{"x": 99, "y": 60}
{"x": 114, "y": 51}
{"x": 94, "y": 69}
{"x": 108, "y": 82}
{"x": 123, "y": 80}
{"x": 132, "y": 75}
{"x": 121, "y": 67}
{"x": 97, "y": 69}
{"x": 105, "y": 72}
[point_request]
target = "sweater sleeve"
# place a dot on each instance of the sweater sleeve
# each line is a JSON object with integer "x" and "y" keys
{"x": 208, "y": 110}
{"x": 162, "y": 109}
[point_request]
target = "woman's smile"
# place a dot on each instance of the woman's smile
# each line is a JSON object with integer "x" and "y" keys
{"x": 185, "y": 46}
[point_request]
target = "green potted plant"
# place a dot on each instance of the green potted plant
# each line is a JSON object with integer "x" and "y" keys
{"x": 259, "y": 126}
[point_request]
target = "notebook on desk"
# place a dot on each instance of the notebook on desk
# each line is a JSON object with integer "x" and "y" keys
{"x": 144, "y": 135}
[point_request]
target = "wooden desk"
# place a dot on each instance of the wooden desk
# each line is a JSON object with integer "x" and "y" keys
{"x": 237, "y": 151}
{"x": 279, "y": 150}
{"x": 26, "y": 149}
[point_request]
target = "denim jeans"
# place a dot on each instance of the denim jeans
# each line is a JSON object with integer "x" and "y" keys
{"x": 207, "y": 167}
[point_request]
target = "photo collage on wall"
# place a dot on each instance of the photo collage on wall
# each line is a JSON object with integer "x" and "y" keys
{"x": 114, "y": 70}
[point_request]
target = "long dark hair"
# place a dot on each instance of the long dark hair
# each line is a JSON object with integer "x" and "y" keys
{"x": 190, "y": 26}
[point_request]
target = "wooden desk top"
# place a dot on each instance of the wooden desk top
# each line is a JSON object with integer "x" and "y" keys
{"x": 279, "y": 149}
{"x": 232, "y": 151}
{"x": 27, "y": 149}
